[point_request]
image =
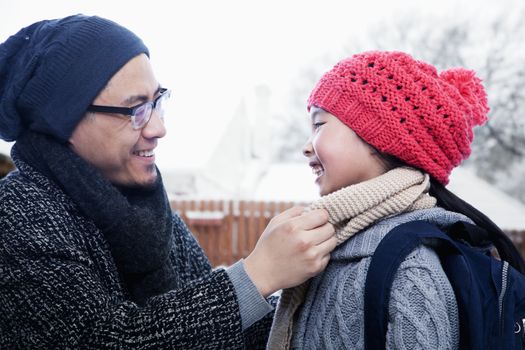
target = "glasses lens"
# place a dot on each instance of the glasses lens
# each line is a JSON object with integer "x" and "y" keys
{"x": 160, "y": 106}
{"x": 142, "y": 115}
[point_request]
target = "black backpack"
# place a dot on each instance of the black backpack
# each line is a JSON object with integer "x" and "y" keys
{"x": 490, "y": 293}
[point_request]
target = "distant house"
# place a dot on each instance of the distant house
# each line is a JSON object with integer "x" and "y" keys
{"x": 235, "y": 166}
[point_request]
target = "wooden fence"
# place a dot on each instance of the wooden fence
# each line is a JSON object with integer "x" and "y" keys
{"x": 229, "y": 230}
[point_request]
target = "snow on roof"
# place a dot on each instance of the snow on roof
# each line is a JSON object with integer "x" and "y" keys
{"x": 505, "y": 211}
{"x": 292, "y": 182}
{"x": 295, "y": 182}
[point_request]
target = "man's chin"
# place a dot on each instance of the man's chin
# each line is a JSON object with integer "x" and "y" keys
{"x": 145, "y": 182}
{"x": 149, "y": 182}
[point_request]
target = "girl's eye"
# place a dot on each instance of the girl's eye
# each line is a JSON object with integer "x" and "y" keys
{"x": 317, "y": 125}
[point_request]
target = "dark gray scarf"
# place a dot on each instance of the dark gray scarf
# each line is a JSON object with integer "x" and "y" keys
{"x": 136, "y": 222}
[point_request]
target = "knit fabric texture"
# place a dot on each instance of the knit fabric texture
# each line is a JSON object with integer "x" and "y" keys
{"x": 404, "y": 108}
{"x": 422, "y": 310}
{"x": 60, "y": 287}
{"x": 52, "y": 70}
{"x": 351, "y": 210}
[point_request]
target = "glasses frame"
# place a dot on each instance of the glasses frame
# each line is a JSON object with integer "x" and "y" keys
{"x": 130, "y": 111}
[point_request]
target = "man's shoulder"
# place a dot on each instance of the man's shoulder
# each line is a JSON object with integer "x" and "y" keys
{"x": 26, "y": 204}
{"x": 36, "y": 220}
{"x": 18, "y": 190}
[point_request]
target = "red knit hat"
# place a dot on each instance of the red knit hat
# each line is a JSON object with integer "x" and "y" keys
{"x": 402, "y": 107}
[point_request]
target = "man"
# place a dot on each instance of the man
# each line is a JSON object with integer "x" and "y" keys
{"x": 91, "y": 255}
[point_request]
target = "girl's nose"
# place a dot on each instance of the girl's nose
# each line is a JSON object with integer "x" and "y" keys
{"x": 307, "y": 148}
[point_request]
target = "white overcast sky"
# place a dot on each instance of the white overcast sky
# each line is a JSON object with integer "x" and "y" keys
{"x": 212, "y": 52}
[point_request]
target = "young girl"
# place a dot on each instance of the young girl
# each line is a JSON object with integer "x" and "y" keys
{"x": 387, "y": 130}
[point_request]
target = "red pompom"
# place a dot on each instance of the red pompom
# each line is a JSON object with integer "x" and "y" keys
{"x": 471, "y": 89}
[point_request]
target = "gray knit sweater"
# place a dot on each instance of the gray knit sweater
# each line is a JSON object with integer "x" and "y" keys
{"x": 422, "y": 312}
{"x": 60, "y": 289}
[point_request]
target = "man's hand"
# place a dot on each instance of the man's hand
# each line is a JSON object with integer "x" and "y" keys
{"x": 294, "y": 247}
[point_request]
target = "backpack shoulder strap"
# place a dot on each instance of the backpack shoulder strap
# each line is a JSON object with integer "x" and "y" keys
{"x": 389, "y": 254}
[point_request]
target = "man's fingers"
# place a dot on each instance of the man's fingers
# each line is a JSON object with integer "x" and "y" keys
{"x": 287, "y": 215}
{"x": 312, "y": 219}
{"x": 327, "y": 246}
{"x": 322, "y": 233}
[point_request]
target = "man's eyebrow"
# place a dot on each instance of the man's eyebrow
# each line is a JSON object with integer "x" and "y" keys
{"x": 135, "y": 99}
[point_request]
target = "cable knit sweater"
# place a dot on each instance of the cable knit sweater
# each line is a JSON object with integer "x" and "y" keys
{"x": 422, "y": 311}
{"x": 60, "y": 289}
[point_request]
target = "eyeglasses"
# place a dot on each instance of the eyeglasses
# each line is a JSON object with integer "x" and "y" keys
{"x": 140, "y": 114}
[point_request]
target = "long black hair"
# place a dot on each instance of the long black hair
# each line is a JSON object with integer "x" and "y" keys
{"x": 449, "y": 201}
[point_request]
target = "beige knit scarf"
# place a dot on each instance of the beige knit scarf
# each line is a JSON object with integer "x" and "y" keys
{"x": 351, "y": 210}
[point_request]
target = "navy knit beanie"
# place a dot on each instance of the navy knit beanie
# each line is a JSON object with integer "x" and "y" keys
{"x": 51, "y": 71}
